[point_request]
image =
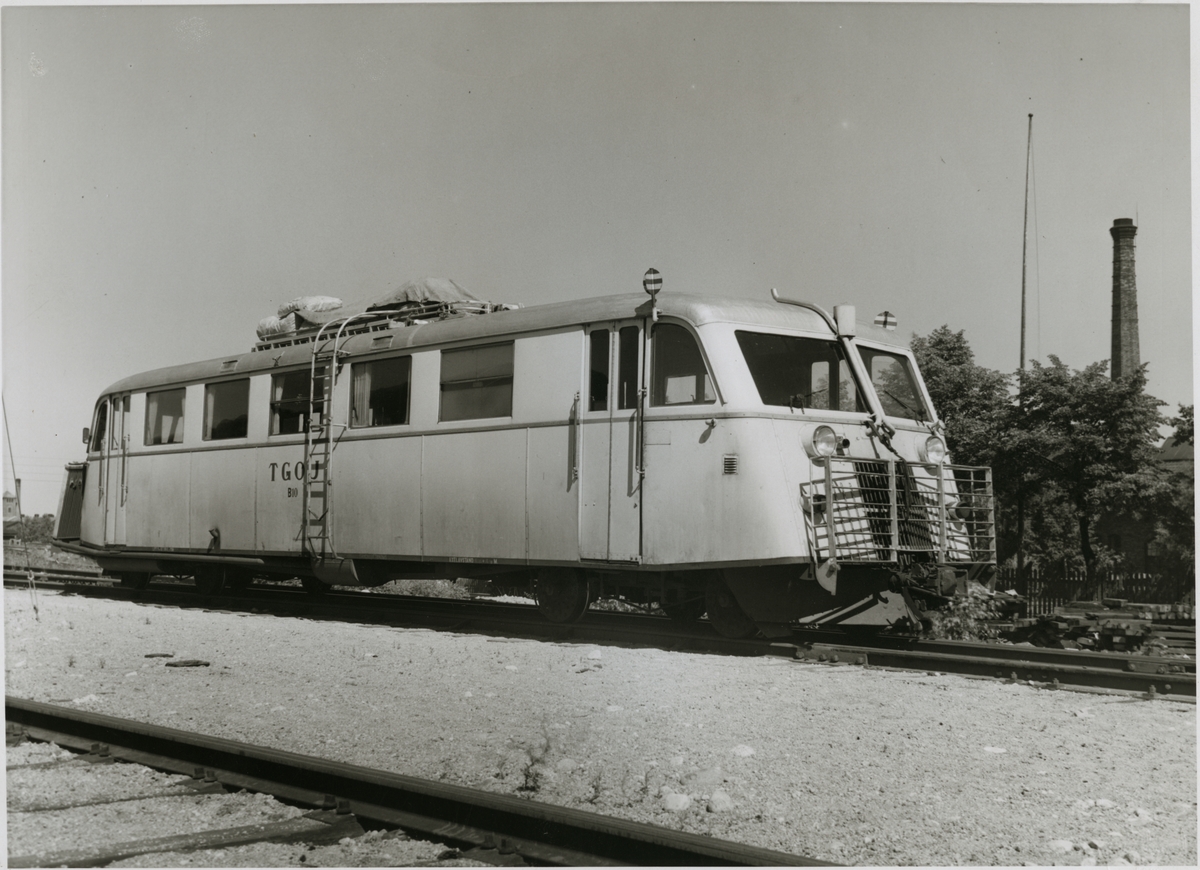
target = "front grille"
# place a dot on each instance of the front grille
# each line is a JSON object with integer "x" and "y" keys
{"x": 886, "y": 510}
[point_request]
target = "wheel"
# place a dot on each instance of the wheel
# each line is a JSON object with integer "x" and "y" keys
{"x": 563, "y": 594}
{"x": 134, "y": 580}
{"x": 313, "y": 586}
{"x": 725, "y": 614}
{"x": 685, "y": 612}
{"x": 238, "y": 581}
{"x": 209, "y": 580}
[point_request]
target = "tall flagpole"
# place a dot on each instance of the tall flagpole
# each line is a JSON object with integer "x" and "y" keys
{"x": 1025, "y": 241}
{"x": 1021, "y": 373}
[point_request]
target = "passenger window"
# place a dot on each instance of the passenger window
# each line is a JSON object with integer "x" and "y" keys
{"x": 598, "y": 384}
{"x": 98, "y": 430}
{"x": 796, "y": 372}
{"x": 164, "y": 417}
{"x": 226, "y": 409}
{"x": 379, "y": 392}
{"x": 289, "y": 401}
{"x": 679, "y": 376}
{"x": 477, "y": 382}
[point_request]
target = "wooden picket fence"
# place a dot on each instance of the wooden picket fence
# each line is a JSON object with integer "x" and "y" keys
{"x": 1046, "y": 589}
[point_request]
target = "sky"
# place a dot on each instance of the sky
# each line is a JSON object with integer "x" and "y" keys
{"x": 172, "y": 174}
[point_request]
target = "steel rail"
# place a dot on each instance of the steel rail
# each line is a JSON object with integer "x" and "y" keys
{"x": 1111, "y": 671}
{"x": 1029, "y": 669}
{"x": 537, "y": 831}
{"x": 1155, "y": 665}
{"x": 20, "y": 572}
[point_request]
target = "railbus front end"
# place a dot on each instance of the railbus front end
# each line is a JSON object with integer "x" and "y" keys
{"x": 763, "y": 461}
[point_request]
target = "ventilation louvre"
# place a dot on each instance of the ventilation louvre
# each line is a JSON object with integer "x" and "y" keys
{"x": 730, "y": 464}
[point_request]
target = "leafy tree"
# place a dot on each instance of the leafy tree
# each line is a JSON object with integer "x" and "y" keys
{"x": 1091, "y": 438}
{"x": 1185, "y": 425}
{"x": 1175, "y": 524}
{"x": 1175, "y": 508}
{"x": 1077, "y": 444}
{"x": 972, "y": 401}
{"x": 37, "y": 529}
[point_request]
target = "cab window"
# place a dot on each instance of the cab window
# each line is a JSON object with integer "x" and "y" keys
{"x": 164, "y": 417}
{"x": 226, "y": 409}
{"x": 379, "y": 392}
{"x": 801, "y": 373}
{"x": 678, "y": 375}
{"x": 289, "y": 401}
{"x": 477, "y": 382}
{"x": 895, "y": 383}
{"x": 98, "y": 430}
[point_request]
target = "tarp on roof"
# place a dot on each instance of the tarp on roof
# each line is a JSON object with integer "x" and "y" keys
{"x": 308, "y": 312}
{"x": 420, "y": 291}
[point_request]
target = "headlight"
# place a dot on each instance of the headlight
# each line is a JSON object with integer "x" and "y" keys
{"x": 933, "y": 452}
{"x": 822, "y": 441}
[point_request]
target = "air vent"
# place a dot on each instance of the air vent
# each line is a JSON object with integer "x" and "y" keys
{"x": 730, "y": 464}
{"x": 382, "y": 342}
{"x": 228, "y": 366}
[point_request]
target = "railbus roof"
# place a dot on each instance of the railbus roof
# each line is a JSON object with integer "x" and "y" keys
{"x": 697, "y": 310}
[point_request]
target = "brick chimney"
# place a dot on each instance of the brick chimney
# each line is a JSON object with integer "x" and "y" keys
{"x": 1126, "y": 356}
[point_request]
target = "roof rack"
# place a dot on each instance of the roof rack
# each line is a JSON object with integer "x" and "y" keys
{"x": 390, "y": 317}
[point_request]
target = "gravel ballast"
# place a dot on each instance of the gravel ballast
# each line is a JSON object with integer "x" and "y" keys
{"x": 839, "y": 763}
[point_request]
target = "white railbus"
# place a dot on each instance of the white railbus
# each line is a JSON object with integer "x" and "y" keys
{"x": 761, "y": 461}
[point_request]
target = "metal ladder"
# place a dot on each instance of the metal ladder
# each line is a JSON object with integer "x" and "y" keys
{"x": 316, "y": 531}
{"x": 319, "y": 443}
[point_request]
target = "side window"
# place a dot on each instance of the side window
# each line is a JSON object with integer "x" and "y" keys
{"x": 598, "y": 379}
{"x": 379, "y": 392}
{"x": 226, "y": 409}
{"x": 99, "y": 430}
{"x": 120, "y": 422}
{"x": 289, "y": 401}
{"x": 678, "y": 374}
{"x": 628, "y": 340}
{"x": 797, "y": 372}
{"x": 164, "y": 417}
{"x": 477, "y": 382}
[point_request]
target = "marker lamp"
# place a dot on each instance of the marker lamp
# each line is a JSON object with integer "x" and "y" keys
{"x": 933, "y": 451}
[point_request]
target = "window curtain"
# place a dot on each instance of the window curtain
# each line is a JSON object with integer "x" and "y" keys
{"x": 360, "y": 395}
{"x": 152, "y": 418}
{"x": 276, "y": 398}
{"x": 209, "y": 406}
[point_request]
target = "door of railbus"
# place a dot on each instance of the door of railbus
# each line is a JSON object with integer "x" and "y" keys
{"x": 610, "y": 512}
{"x": 116, "y": 471}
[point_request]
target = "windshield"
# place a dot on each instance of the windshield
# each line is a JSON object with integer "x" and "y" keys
{"x": 895, "y": 383}
{"x": 801, "y": 373}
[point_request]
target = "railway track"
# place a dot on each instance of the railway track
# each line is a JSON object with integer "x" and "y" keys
{"x": 1149, "y": 676}
{"x": 498, "y": 828}
{"x": 60, "y": 575}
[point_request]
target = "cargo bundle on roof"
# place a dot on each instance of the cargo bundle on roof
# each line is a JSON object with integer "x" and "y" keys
{"x": 422, "y": 300}
{"x": 301, "y": 313}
